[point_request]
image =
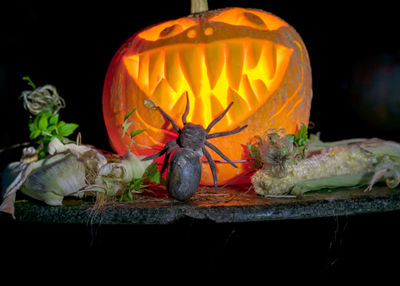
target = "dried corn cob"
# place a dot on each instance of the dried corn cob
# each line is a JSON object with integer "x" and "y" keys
{"x": 332, "y": 165}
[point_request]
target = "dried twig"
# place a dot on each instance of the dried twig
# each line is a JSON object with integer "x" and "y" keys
{"x": 15, "y": 146}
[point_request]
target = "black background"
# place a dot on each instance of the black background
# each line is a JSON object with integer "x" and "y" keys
{"x": 70, "y": 44}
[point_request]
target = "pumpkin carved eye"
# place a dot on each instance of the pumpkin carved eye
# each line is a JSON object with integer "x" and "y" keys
{"x": 255, "y": 19}
{"x": 171, "y": 31}
{"x": 167, "y": 30}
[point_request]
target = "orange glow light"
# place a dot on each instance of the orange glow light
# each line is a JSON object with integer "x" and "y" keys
{"x": 244, "y": 71}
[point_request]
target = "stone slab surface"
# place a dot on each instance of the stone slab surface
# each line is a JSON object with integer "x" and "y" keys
{"x": 228, "y": 205}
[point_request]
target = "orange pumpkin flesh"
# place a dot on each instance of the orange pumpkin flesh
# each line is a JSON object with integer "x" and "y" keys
{"x": 247, "y": 56}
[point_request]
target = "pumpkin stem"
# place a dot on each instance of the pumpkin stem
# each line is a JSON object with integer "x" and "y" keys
{"x": 198, "y": 6}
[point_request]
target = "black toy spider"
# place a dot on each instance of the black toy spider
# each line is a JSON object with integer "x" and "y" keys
{"x": 184, "y": 172}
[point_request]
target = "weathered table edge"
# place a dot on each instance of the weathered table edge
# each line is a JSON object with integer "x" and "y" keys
{"x": 124, "y": 213}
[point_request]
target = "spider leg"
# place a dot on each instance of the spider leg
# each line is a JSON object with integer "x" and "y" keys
{"x": 186, "y": 109}
{"x": 159, "y": 154}
{"x": 212, "y": 166}
{"x": 218, "y": 118}
{"x": 170, "y": 119}
{"x": 219, "y": 134}
{"x": 166, "y": 158}
{"x": 216, "y": 150}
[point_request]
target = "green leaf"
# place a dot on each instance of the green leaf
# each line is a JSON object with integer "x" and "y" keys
{"x": 45, "y": 113}
{"x": 129, "y": 114}
{"x": 54, "y": 119}
{"x": 51, "y": 128}
{"x": 137, "y": 132}
{"x": 42, "y": 152}
{"x": 274, "y": 135}
{"x": 35, "y": 134}
{"x": 41, "y": 120}
{"x": 290, "y": 138}
{"x": 125, "y": 127}
{"x": 43, "y": 123}
{"x": 152, "y": 174}
{"x": 254, "y": 153}
{"x": 66, "y": 129}
{"x": 30, "y": 82}
{"x": 31, "y": 126}
{"x": 301, "y": 137}
{"x": 156, "y": 178}
{"x": 35, "y": 122}
{"x": 126, "y": 196}
{"x": 135, "y": 184}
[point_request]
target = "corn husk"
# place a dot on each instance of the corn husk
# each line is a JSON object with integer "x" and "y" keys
{"x": 347, "y": 163}
{"x": 114, "y": 177}
{"x": 56, "y": 177}
{"x": 70, "y": 170}
{"x": 13, "y": 177}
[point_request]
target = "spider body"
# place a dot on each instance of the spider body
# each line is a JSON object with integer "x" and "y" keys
{"x": 193, "y": 136}
{"x": 184, "y": 171}
{"x": 184, "y": 174}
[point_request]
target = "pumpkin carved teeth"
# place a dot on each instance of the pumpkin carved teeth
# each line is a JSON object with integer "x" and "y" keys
{"x": 224, "y": 71}
{"x": 191, "y": 58}
{"x": 174, "y": 73}
{"x": 234, "y": 64}
{"x": 214, "y": 55}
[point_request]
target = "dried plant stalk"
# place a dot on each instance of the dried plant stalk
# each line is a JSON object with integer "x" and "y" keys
{"x": 42, "y": 98}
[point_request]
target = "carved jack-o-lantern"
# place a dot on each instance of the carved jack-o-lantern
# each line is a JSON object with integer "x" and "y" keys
{"x": 247, "y": 56}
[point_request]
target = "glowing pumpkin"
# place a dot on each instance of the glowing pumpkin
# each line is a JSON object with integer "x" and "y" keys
{"x": 247, "y": 56}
